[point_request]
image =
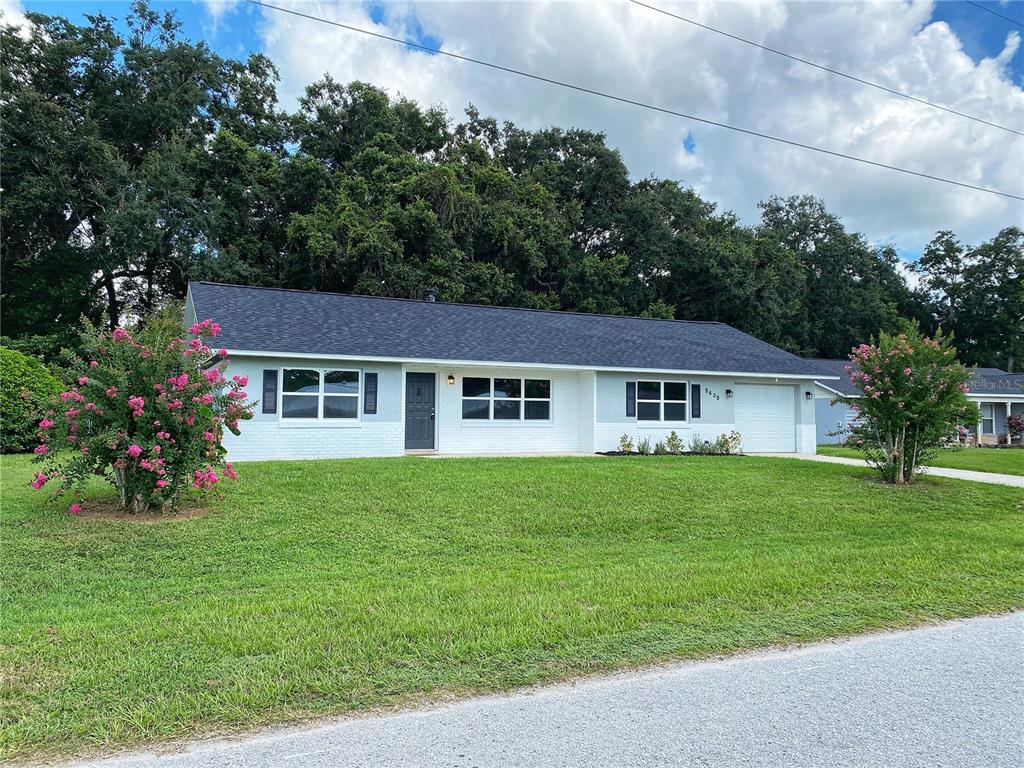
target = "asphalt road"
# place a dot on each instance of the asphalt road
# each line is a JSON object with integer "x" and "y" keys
{"x": 948, "y": 695}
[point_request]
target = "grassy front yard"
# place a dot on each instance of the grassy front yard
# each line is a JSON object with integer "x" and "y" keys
{"x": 1009, "y": 461}
{"x": 326, "y": 587}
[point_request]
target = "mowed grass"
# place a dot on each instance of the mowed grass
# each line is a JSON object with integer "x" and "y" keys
{"x": 1006, "y": 461}
{"x": 333, "y": 586}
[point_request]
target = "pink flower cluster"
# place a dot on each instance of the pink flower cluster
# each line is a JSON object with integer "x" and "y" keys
{"x": 207, "y": 327}
{"x": 136, "y": 403}
{"x": 205, "y": 478}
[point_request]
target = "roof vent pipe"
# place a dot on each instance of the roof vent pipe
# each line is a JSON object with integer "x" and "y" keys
{"x": 430, "y": 297}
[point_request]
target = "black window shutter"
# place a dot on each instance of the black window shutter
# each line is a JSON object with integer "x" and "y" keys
{"x": 695, "y": 401}
{"x": 370, "y": 393}
{"x": 631, "y": 398}
{"x": 269, "y": 401}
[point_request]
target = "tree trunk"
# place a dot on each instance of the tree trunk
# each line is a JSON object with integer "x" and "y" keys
{"x": 898, "y": 456}
{"x": 122, "y": 488}
{"x": 113, "y": 308}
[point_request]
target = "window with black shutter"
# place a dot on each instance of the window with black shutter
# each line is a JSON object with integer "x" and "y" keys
{"x": 269, "y": 401}
{"x": 370, "y": 393}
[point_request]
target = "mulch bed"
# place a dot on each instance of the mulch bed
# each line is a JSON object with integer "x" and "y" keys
{"x": 109, "y": 510}
{"x": 682, "y": 453}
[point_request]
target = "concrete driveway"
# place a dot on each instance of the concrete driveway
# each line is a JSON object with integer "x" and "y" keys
{"x": 947, "y": 695}
{"x": 958, "y": 474}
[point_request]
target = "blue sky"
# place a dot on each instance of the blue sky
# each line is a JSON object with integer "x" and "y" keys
{"x": 236, "y": 32}
{"x": 982, "y": 34}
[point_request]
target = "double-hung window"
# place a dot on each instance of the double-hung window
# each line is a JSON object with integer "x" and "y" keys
{"x": 661, "y": 400}
{"x": 503, "y": 399}
{"x": 309, "y": 393}
{"x": 988, "y": 418}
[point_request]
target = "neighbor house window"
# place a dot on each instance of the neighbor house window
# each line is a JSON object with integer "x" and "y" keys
{"x": 503, "y": 399}
{"x": 988, "y": 418}
{"x": 661, "y": 401}
{"x": 309, "y": 393}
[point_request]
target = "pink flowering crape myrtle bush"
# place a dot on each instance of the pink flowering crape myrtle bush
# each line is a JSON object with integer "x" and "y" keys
{"x": 146, "y": 413}
{"x": 912, "y": 399}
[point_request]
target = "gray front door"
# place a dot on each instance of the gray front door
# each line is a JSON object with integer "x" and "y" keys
{"x": 419, "y": 410}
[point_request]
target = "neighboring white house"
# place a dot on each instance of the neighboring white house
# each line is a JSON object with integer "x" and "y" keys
{"x": 998, "y": 394}
{"x": 339, "y": 375}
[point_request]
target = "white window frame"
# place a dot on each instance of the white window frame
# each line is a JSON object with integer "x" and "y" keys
{"x": 661, "y": 401}
{"x": 522, "y": 400}
{"x": 320, "y": 419}
{"x": 992, "y": 418}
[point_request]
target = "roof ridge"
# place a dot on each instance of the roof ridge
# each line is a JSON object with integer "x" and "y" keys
{"x": 465, "y": 304}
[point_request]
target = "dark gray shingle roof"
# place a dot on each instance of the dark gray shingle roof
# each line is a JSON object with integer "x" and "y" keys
{"x": 835, "y": 368}
{"x": 985, "y": 381}
{"x": 278, "y": 320}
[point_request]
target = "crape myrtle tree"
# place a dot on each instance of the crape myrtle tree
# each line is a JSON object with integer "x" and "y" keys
{"x": 912, "y": 397}
{"x": 145, "y": 412}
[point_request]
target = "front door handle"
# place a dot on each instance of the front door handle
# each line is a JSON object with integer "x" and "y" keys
{"x": 431, "y": 414}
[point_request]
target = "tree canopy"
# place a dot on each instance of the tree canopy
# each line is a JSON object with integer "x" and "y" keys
{"x": 133, "y": 163}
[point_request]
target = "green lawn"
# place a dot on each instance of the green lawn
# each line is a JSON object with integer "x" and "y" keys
{"x": 326, "y": 587}
{"x": 1009, "y": 461}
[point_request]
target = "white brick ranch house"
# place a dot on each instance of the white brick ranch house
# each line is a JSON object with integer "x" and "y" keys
{"x": 343, "y": 376}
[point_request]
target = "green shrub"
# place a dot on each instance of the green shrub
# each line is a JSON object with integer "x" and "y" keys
{"x": 674, "y": 443}
{"x": 626, "y": 444}
{"x": 660, "y": 449}
{"x": 26, "y": 385}
{"x": 723, "y": 445}
{"x": 643, "y": 447}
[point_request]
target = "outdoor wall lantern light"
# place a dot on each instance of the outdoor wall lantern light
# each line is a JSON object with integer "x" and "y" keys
{"x": 808, "y": 395}
{"x": 451, "y": 379}
{"x": 728, "y": 393}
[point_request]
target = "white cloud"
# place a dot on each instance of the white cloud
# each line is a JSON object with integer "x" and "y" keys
{"x": 217, "y": 8}
{"x": 13, "y": 12}
{"x": 912, "y": 278}
{"x": 631, "y": 51}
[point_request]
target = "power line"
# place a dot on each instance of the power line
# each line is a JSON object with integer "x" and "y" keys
{"x": 635, "y": 103}
{"x": 856, "y": 79}
{"x": 995, "y": 13}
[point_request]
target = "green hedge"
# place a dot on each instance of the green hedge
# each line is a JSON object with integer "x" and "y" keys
{"x": 25, "y": 385}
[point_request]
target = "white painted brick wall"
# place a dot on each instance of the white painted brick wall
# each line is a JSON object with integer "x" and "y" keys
{"x": 806, "y": 438}
{"x": 561, "y": 434}
{"x": 572, "y": 429}
{"x": 262, "y": 440}
{"x": 587, "y": 413}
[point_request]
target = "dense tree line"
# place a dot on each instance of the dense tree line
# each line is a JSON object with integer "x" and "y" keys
{"x": 133, "y": 163}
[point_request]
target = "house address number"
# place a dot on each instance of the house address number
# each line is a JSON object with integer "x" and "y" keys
{"x": 707, "y": 391}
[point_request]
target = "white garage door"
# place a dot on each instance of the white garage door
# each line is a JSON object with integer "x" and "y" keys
{"x": 766, "y": 417}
